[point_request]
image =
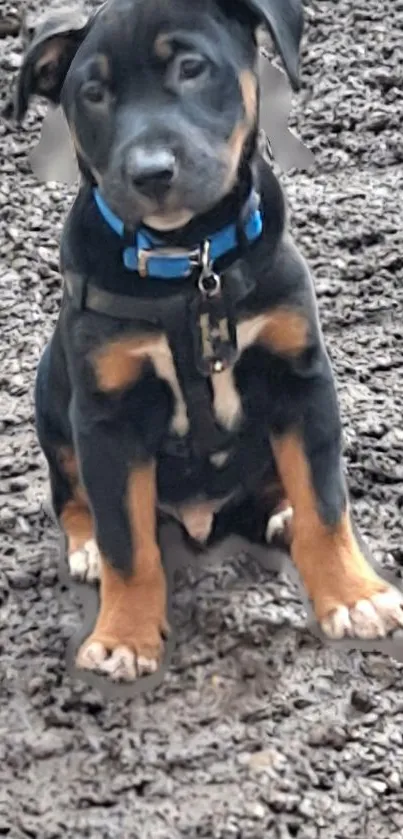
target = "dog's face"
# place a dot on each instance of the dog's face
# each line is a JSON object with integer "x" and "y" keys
{"x": 161, "y": 98}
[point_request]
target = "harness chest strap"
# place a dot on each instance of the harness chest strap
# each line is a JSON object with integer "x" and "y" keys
{"x": 199, "y": 321}
{"x": 175, "y": 316}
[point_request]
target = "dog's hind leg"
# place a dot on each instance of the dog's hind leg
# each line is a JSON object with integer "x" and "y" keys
{"x": 69, "y": 500}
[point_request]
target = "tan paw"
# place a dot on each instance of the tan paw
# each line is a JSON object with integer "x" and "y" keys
{"x": 374, "y": 617}
{"x": 85, "y": 563}
{"x": 279, "y": 525}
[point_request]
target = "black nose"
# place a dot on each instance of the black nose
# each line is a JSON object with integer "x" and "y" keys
{"x": 151, "y": 171}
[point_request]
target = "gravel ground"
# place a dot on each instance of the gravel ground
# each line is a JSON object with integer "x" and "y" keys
{"x": 258, "y": 729}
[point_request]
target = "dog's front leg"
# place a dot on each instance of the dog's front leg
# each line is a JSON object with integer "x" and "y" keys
{"x": 348, "y": 596}
{"x": 119, "y": 477}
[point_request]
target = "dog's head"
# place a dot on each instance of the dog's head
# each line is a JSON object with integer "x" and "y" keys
{"x": 161, "y": 96}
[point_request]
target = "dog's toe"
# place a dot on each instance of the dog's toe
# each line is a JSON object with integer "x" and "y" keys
{"x": 389, "y": 605}
{"x": 337, "y": 625}
{"x": 118, "y": 665}
{"x": 91, "y": 656}
{"x": 85, "y": 563}
{"x": 146, "y": 666}
{"x": 119, "y": 661}
{"x": 370, "y": 618}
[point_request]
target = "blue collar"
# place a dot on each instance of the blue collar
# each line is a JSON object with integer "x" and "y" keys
{"x": 151, "y": 257}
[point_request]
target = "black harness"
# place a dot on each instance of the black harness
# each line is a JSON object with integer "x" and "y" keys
{"x": 199, "y": 321}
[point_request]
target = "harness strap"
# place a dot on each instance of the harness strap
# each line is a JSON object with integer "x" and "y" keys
{"x": 173, "y": 316}
{"x": 206, "y": 436}
{"x": 198, "y": 319}
{"x": 87, "y": 295}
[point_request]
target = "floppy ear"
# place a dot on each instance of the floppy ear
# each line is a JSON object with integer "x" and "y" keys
{"x": 284, "y": 19}
{"x": 49, "y": 55}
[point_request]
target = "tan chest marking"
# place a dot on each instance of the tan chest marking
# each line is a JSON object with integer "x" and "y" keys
{"x": 120, "y": 364}
{"x": 226, "y": 399}
{"x": 282, "y": 330}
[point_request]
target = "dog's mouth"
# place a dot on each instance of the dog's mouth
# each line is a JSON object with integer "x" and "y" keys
{"x": 166, "y": 188}
{"x": 169, "y": 220}
{"x": 169, "y": 213}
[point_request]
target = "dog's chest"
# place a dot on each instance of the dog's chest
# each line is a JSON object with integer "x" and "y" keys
{"x": 225, "y": 398}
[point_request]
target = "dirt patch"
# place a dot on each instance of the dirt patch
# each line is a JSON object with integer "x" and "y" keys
{"x": 258, "y": 729}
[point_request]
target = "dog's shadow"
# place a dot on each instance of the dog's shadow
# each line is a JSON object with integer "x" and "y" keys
{"x": 179, "y": 557}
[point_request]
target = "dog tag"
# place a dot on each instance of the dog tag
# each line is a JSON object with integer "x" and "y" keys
{"x": 214, "y": 330}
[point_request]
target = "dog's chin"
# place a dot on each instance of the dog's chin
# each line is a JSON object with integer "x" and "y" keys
{"x": 169, "y": 220}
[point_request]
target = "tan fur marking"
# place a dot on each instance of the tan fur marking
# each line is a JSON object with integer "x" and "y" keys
{"x": 133, "y": 610}
{"x": 75, "y": 518}
{"x": 120, "y": 364}
{"x": 51, "y": 55}
{"x": 80, "y": 152}
{"x": 285, "y": 332}
{"x": 282, "y": 330}
{"x": 226, "y": 399}
{"x": 234, "y": 149}
{"x": 104, "y": 66}
{"x": 77, "y": 524}
{"x": 332, "y": 567}
{"x": 248, "y": 87}
{"x": 163, "y": 47}
{"x": 237, "y": 140}
{"x": 68, "y": 463}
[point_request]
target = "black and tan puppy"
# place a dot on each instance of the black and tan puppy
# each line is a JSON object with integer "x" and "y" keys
{"x": 187, "y": 373}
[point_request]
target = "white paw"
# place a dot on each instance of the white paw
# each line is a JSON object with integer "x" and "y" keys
{"x": 85, "y": 564}
{"x": 278, "y": 523}
{"x": 121, "y": 665}
{"x": 368, "y": 619}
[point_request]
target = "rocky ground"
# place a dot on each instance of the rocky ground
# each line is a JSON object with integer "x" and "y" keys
{"x": 258, "y": 729}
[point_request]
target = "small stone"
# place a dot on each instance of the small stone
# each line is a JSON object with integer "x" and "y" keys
{"x": 18, "y": 483}
{"x": 46, "y": 745}
{"x": 12, "y": 61}
{"x": 323, "y": 735}
{"x": 378, "y": 786}
{"x": 307, "y": 809}
{"x": 255, "y": 810}
{"x": 362, "y": 701}
{"x": 394, "y": 781}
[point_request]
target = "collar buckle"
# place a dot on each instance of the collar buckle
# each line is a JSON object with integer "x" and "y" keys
{"x": 144, "y": 254}
{"x": 209, "y": 282}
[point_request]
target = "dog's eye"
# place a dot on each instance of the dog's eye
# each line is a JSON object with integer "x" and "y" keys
{"x": 94, "y": 92}
{"x": 187, "y": 69}
{"x": 191, "y": 67}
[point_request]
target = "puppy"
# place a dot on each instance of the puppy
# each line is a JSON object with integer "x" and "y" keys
{"x": 187, "y": 372}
